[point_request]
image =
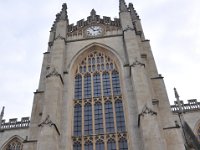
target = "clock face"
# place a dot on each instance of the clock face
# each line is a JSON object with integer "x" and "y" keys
{"x": 94, "y": 31}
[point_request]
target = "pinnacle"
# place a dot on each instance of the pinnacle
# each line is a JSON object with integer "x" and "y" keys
{"x": 122, "y": 6}
{"x": 63, "y": 13}
{"x": 133, "y": 12}
{"x": 93, "y": 12}
{"x": 64, "y": 6}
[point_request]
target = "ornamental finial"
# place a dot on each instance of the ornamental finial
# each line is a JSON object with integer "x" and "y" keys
{"x": 176, "y": 94}
{"x": 63, "y": 13}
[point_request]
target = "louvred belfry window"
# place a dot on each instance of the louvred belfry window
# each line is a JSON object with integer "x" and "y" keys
{"x": 99, "y": 120}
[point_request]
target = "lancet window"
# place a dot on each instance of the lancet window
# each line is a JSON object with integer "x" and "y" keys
{"x": 98, "y": 105}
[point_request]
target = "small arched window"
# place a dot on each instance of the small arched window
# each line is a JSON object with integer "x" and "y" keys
{"x": 14, "y": 144}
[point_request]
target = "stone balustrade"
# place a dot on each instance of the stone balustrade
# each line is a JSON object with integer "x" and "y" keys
{"x": 192, "y": 105}
{"x": 14, "y": 124}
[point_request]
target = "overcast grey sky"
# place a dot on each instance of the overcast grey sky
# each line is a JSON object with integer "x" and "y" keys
{"x": 172, "y": 26}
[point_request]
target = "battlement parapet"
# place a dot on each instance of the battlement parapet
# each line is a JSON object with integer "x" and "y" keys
{"x": 192, "y": 105}
{"x": 14, "y": 124}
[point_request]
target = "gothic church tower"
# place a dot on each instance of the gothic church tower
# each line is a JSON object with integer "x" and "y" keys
{"x": 100, "y": 89}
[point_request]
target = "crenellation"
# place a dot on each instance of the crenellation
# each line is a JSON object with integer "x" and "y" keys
{"x": 14, "y": 124}
{"x": 192, "y": 105}
{"x": 80, "y": 23}
{"x": 106, "y": 20}
{"x": 93, "y": 20}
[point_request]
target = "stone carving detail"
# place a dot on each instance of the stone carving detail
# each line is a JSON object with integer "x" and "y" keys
{"x": 52, "y": 72}
{"x": 137, "y": 63}
{"x": 146, "y": 110}
{"x": 60, "y": 37}
{"x": 47, "y": 121}
{"x": 128, "y": 28}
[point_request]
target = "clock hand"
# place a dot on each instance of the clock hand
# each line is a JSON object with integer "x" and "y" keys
{"x": 92, "y": 28}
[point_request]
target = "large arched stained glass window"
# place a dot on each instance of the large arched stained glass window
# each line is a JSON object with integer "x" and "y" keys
{"x": 98, "y": 104}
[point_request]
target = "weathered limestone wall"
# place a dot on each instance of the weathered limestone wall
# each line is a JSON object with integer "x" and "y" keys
{"x": 6, "y": 135}
{"x": 192, "y": 118}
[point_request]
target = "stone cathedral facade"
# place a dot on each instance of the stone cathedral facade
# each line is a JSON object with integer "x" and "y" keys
{"x": 99, "y": 89}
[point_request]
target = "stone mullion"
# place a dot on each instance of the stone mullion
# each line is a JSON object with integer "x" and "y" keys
{"x": 103, "y": 111}
{"x": 113, "y": 102}
{"x": 82, "y": 112}
{"x": 113, "y": 105}
{"x": 93, "y": 116}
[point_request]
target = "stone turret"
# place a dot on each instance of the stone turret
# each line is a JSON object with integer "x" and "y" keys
{"x": 51, "y": 120}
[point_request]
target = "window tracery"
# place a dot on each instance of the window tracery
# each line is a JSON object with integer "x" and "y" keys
{"x": 123, "y": 144}
{"x": 100, "y": 145}
{"x": 98, "y": 105}
{"x": 15, "y": 144}
{"x": 111, "y": 145}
